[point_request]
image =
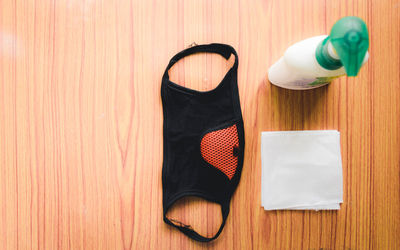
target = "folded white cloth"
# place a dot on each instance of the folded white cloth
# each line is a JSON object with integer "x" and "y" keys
{"x": 301, "y": 170}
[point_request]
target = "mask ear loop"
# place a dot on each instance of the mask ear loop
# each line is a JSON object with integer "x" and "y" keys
{"x": 222, "y": 49}
{"x": 191, "y": 233}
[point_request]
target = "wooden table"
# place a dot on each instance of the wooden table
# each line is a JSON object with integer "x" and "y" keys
{"x": 81, "y": 122}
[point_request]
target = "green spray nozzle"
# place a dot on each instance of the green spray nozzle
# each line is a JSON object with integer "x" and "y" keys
{"x": 349, "y": 38}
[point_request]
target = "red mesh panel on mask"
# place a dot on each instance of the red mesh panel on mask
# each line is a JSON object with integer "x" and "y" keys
{"x": 219, "y": 148}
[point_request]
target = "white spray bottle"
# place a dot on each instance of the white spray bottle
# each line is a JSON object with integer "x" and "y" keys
{"x": 316, "y": 61}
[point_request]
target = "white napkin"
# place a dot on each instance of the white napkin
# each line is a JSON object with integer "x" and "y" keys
{"x": 301, "y": 170}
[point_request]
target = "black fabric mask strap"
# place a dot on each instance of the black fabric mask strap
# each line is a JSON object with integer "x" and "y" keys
{"x": 186, "y": 229}
{"x": 222, "y": 49}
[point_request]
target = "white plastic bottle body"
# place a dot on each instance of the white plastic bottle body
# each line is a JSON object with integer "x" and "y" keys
{"x": 299, "y": 69}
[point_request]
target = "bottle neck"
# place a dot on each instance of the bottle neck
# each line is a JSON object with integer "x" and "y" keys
{"x": 326, "y": 57}
{"x": 332, "y": 51}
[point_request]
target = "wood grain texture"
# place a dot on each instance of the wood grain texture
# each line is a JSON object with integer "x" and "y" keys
{"x": 81, "y": 122}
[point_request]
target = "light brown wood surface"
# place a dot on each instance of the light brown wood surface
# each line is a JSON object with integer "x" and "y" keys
{"x": 81, "y": 122}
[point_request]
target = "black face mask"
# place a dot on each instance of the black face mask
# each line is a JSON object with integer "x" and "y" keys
{"x": 203, "y": 140}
